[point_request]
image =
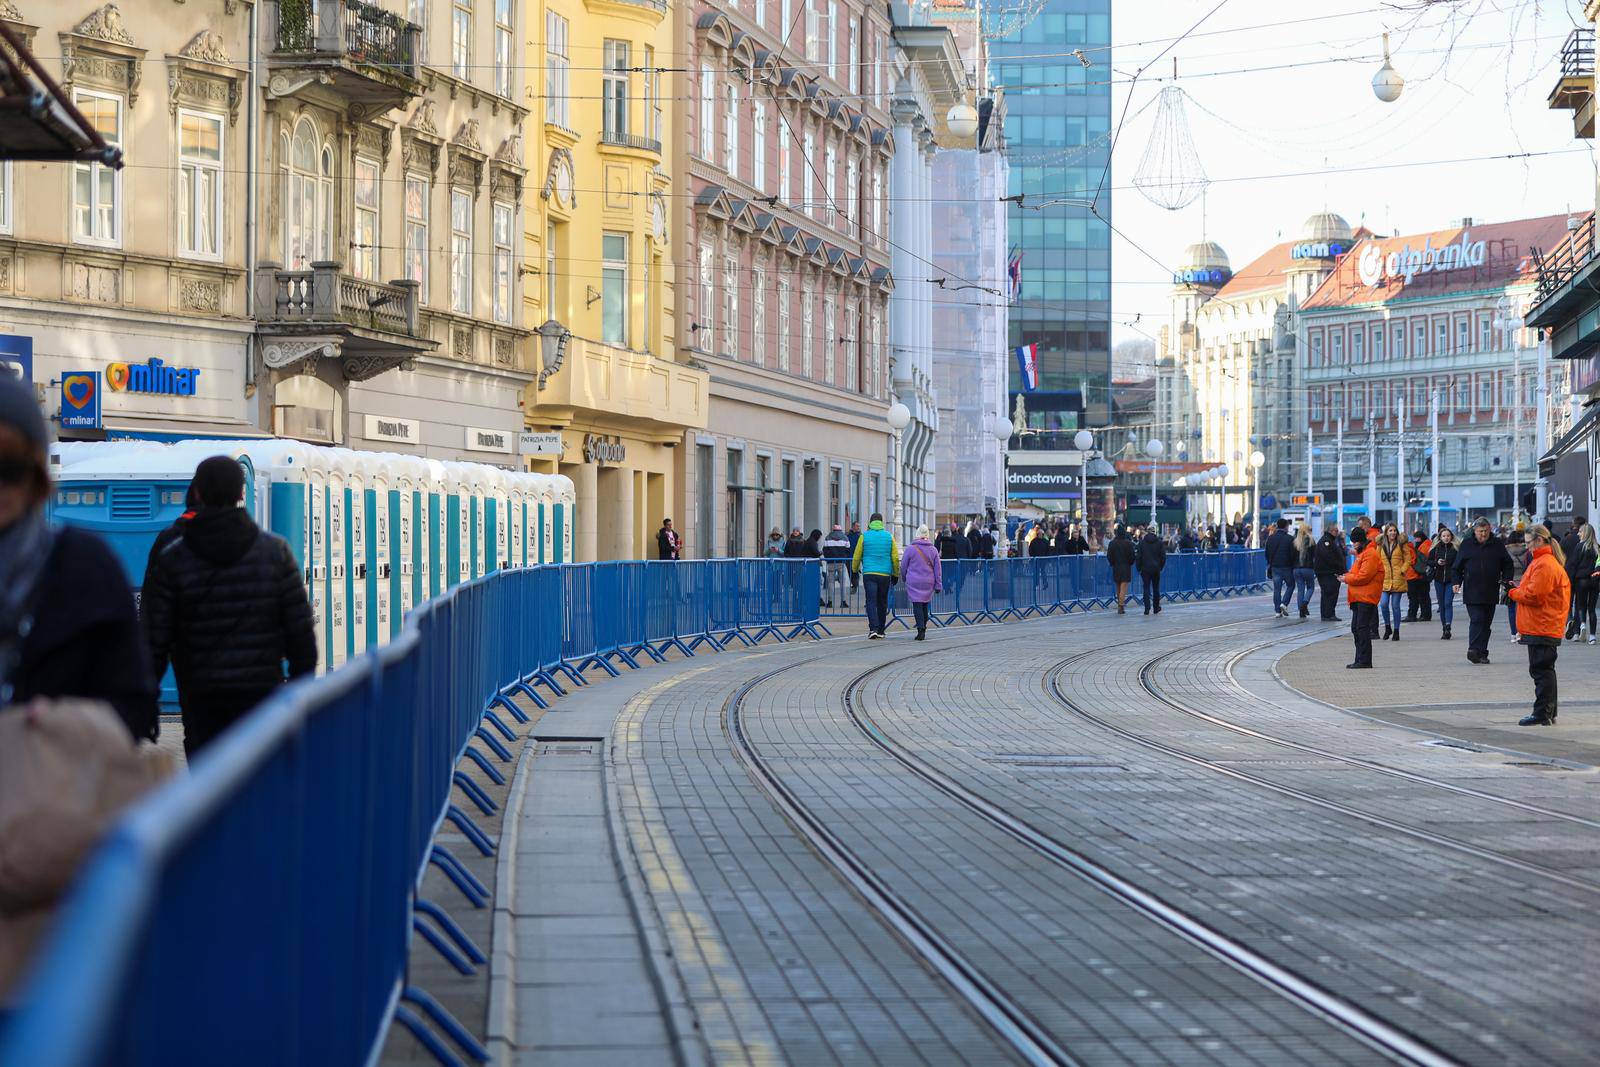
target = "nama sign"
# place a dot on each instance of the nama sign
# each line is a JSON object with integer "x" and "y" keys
{"x": 1200, "y": 277}
{"x": 1318, "y": 250}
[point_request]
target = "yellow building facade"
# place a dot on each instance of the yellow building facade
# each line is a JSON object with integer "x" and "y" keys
{"x": 611, "y": 402}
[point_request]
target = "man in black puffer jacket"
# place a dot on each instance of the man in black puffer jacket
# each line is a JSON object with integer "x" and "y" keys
{"x": 226, "y": 605}
{"x": 1328, "y": 561}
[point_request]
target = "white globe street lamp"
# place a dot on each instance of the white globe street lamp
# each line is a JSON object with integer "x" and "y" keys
{"x": 898, "y": 417}
{"x": 1387, "y": 84}
{"x": 963, "y": 121}
{"x": 1257, "y": 459}
{"x": 1083, "y": 440}
{"x": 1153, "y": 448}
{"x": 1003, "y": 429}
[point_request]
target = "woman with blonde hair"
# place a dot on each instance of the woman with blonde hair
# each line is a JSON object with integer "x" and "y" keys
{"x": 1398, "y": 558}
{"x": 1583, "y": 568}
{"x": 1305, "y": 568}
{"x": 1543, "y": 598}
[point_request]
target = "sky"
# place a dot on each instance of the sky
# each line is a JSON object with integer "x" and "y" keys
{"x": 1285, "y": 89}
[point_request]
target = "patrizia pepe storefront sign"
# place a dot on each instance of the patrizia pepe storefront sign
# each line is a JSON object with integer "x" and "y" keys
{"x": 1407, "y": 263}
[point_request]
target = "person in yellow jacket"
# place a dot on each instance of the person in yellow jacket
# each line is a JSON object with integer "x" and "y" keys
{"x": 1398, "y": 558}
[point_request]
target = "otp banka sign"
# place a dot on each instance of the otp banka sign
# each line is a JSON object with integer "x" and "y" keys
{"x": 1375, "y": 265}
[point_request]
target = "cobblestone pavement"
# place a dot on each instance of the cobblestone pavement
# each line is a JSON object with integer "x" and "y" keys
{"x": 1437, "y": 893}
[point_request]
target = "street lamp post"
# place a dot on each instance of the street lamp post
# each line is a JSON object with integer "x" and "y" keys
{"x": 1256, "y": 461}
{"x": 898, "y": 417}
{"x": 1002, "y": 432}
{"x": 1153, "y": 448}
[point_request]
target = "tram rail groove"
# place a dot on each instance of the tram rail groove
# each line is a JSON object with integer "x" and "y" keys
{"x": 1053, "y": 685}
{"x": 1010, "y": 1021}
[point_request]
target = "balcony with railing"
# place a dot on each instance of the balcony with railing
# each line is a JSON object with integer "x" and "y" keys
{"x": 371, "y": 55}
{"x": 1574, "y": 90}
{"x": 630, "y": 140}
{"x": 373, "y": 325}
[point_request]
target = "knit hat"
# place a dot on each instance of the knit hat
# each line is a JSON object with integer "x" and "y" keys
{"x": 20, "y": 411}
{"x": 1359, "y": 535}
{"x": 218, "y": 482}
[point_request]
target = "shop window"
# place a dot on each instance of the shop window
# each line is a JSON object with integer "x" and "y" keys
{"x": 835, "y": 495}
{"x": 762, "y": 504}
{"x": 705, "y": 502}
{"x": 788, "y": 496}
{"x": 735, "y": 502}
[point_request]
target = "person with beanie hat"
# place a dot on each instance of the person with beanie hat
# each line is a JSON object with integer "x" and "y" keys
{"x": 1363, "y": 584}
{"x": 225, "y": 605}
{"x": 68, "y": 624}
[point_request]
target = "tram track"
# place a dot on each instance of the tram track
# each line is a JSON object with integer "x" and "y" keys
{"x": 1010, "y": 1020}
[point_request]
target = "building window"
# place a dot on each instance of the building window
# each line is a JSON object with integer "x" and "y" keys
{"x": 850, "y": 194}
{"x": 735, "y": 502}
{"x": 1316, "y": 405}
{"x": 5, "y": 196}
{"x": 836, "y": 495}
{"x": 652, "y": 96}
{"x": 730, "y": 305}
{"x": 461, "y": 251}
{"x": 550, "y": 262}
{"x": 1463, "y": 334}
{"x": 1463, "y": 393}
{"x": 758, "y": 145}
{"x": 1316, "y": 349}
{"x": 852, "y": 347}
{"x": 1485, "y": 392}
{"x": 417, "y": 232}
{"x": 502, "y": 47}
{"x": 364, "y": 233}
{"x": 614, "y": 289}
{"x": 853, "y": 57}
{"x": 785, "y": 161}
{"x": 97, "y": 190}
{"x": 758, "y": 316}
{"x": 808, "y": 202}
{"x": 783, "y": 324}
{"x": 763, "y": 483}
{"x": 830, "y": 186}
{"x": 874, "y": 356}
{"x": 855, "y": 496}
{"x": 875, "y": 495}
{"x": 417, "y": 12}
{"x": 1419, "y": 346}
{"x": 1336, "y": 348}
{"x": 706, "y": 337}
{"x": 200, "y": 184}
{"x": 307, "y": 198}
{"x": 555, "y": 69}
{"x": 503, "y": 214}
{"x": 830, "y": 339}
{"x": 1441, "y": 337}
{"x": 877, "y": 206}
{"x": 705, "y": 457}
{"x": 1377, "y": 345}
{"x": 813, "y": 10}
{"x": 832, "y": 30}
{"x": 730, "y": 130}
{"x": 461, "y": 39}
{"x": 1358, "y": 345}
{"x": 614, "y": 93}
{"x": 1399, "y": 351}
{"x": 708, "y": 111}
{"x": 807, "y": 338}
{"x": 788, "y": 496}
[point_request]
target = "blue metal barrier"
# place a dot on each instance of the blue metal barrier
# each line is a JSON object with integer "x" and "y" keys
{"x": 988, "y": 590}
{"x": 259, "y": 909}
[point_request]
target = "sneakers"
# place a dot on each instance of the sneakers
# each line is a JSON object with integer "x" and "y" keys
{"x": 874, "y": 636}
{"x": 1283, "y": 613}
{"x": 1538, "y": 720}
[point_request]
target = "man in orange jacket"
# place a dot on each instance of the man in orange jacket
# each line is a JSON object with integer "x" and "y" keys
{"x": 1363, "y": 589}
{"x": 1543, "y": 597}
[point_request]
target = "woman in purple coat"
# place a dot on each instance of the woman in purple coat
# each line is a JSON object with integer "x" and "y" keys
{"x": 920, "y": 568}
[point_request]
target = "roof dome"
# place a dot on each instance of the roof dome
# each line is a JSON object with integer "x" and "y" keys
{"x": 1206, "y": 255}
{"x": 1326, "y": 227}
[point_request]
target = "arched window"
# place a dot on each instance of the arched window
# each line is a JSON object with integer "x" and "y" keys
{"x": 307, "y": 198}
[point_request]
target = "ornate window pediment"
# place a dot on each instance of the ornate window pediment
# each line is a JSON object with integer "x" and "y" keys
{"x": 99, "y": 51}
{"x": 467, "y": 157}
{"x": 506, "y": 172}
{"x": 420, "y": 141}
{"x": 202, "y": 75}
{"x": 560, "y": 182}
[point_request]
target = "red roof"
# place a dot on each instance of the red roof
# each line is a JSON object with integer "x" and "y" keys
{"x": 1441, "y": 263}
{"x": 1262, "y": 273}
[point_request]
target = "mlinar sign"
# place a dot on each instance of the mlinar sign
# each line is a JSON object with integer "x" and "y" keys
{"x": 1407, "y": 263}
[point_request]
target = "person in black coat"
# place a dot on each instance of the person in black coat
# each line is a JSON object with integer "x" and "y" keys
{"x": 795, "y": 546}
{"x": 68, "y": 625}
{"x": 173, "y": 532}
{"x": 1151, "y": 557}
{"x": 1482, "y": 569}
{"x": 226, "y": 606}
{"x": 812, "y": 549}
{"x": 669, "y": 545}
{"x": 1076, "y": 545}
{"x": 1328, "y": 562}
{"x": 1122, "y": 556}
{"x": 1281, "y": 559}
{"x": 953, "y": 544}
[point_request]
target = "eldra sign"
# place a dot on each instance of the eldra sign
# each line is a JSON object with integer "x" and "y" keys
{"x": 1407, "y": 263}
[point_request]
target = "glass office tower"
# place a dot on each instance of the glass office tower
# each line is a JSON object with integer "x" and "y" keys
{"x": 1058, "y": 131}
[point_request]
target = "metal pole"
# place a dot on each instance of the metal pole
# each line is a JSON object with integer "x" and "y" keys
{"x": 1372, "y": 467}
{"x": 1541, "y": 442}
{"x": 1433, "y": 457}
{"x": 1153, "y": 465}
{"x": 1338, "y": 466}
{"x": 1516, "y": 429}
{"x": 899, "y": 491}
{"x": 1311, "y": 464}
{"x": 1400, "y": 471}
{"x": 1255, "y": 506}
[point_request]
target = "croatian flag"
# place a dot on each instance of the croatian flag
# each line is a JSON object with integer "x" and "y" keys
{"x": 1014, "y": 272}
{"x": 1028, "y": 364}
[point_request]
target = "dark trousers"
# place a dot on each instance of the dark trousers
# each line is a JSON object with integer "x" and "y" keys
{"x": 877, "y": 601}
{"x": 1421, "y": 606}
{"x": 1152, "y": 589}
{"x": 920, "y": 611}
{"x": 1584, "y": 597}
{"x": 1480, "y": 622}
{"x": 1542, "y": 669}
{"x": 205, "y": 717}
{"x": 1330, "y": 596}
{"x": 1364, "y": 627}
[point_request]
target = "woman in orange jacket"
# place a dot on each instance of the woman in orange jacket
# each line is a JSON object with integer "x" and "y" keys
{"x": 1398, "y": 558}
{"x": 1543, "y": 597}
{"x": 1363, "y": 590}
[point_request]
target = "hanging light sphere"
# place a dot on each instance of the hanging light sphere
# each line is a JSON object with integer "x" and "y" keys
{"x": 963, "y": 121}
{"x": 898, "y": 416}
{"x": 1387, "y": 84}
{"x": 1003, "y": 429}
{"x": 1084, "y": 440}
{"x": 1153, "y": 448}
{"x": 1257, "y": 459}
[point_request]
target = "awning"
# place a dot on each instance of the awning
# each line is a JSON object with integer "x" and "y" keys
{"x": 37, "y": 121}
{"x": 1576, "y": 437}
